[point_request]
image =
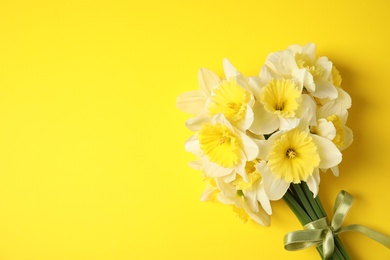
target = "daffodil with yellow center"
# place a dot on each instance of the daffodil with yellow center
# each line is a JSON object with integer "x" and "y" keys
{"x": 220, "y": 144}
{"x": 231, "y": 97}
{"x": 294, "y": 156}
{"x": 231, "y": 100}
{"x": 281, "y": 106}
{"x": 222, "y": 148}
{"x": 301, "y": 64}
{"x": 281, "y": 97}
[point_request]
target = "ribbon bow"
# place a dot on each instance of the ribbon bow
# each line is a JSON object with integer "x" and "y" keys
{"x": 319, "y": 232}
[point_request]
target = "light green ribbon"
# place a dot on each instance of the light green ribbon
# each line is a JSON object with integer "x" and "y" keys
{"x": 319, "y": 232}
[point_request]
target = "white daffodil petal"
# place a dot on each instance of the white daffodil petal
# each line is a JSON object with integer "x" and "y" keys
{"x": 324, "y": 63}
{"x": 325, "y": 89}
{"x": 207, "y": 194}
{"x": 330, "y": 155}
{"x": 192, "y": 102}
{"x": 208, "y": 80}
{"x": 325, "y": 129}
{"x": 247, "y": 121}
{"x": 229, "y": 69}
{"x": 310, "y": 50}
{"x": 263, "y": 122}
{"x": 254, "y": 84}
{"x": 313, "y": 182}
{"x": 288, "y": 123}
{"x": 266, "y": 145}
{"x": 195, "y": 123}
{"x": 229, "y": 178}
{"x": 196, "y": 165}
{"x": 263, "y": 199}
{"x": 348, "y": 137}
{"x": 228, "y": 200}
{"x": 274, "y": 188}
{"x": 335, "y": 170}
{"x": 251, "y": 200}
{"x": 344, "y": 98}
{"x": 226, "y": 189}
{"x": 260, "y": 217}
{"x": 192, "y": 145}
{"x": 214, "y": 170}
{"x": 249, "y": 147}
{"x": 307, "y": 112}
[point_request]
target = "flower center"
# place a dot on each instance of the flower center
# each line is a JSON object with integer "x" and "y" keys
{"x": 291, "y": 153}
{"x": 220, "y": 144}
{"x": 339, "y": 139}
{"x": 304, "y": 62}
{"x": 281, "y": 96}
{"x": 293, "y": 156}
{"x": 253, "y": 176}
{"x": 229, "y": 99}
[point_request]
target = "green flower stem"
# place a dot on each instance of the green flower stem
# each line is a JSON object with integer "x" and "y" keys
{"x": 316, "y": 207}
{"x": 341, "y": 247}
{"x": 305, "y": 202}
{"x": 296, "y": 208}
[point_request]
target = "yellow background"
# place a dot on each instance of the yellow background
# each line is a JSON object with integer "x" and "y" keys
{"x": 92, "y": 162}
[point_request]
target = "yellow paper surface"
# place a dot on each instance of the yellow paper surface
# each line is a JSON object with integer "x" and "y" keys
{"x": 92, "y": 160}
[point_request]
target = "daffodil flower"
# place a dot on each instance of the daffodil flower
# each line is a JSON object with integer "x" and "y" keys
{"x": 231, "y": 97}
{"x": 331, "y": 120}
{"x": 301, "y": 63}
{"x": 245, "y": 204}
{"x": 294, "y": 156}
{"x": 222, "y": 149}
{"x": 280, "y": 104}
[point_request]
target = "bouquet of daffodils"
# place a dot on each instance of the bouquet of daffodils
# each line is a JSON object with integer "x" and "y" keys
{"x": 268, "y": 137}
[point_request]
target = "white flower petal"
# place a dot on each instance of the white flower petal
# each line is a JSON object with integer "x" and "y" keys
{"x": 208, "y": 80}
{"x": 229, "y": 69}
{"x": 195, "y": 123}
{"x": 212, "y": 169}
{"x": 196, "y": 165}
{"x": 330, "y": 155}
{"x": 227, "y": 189}
{"x": 307, "y": 113}
{"x": 260, "y": 217}
{"x": 325, "y": 89}
{"x": 313, "y": 182}
{"x": 288, "y": 123}
{"x": 192, "y": 145}
{"x": 325, "y": 129}
{"x": 266, "y": 145}
{"x": 229, "y": 200}
{"x": 263, "y": 122}
{"x": 229, "y": 178}
{"x": 250, "y": 148}
{"x": 254, "y": 84}
{"x": 263, "y": 199}
{"x": 348, "y": 138}
{"x": 335, "y": 170}
{"x": 247, "y": 121}
{"x": 251, "y": 200}
{"x": 310, "y": 51}
{"x": 274, "y": 188}
{"x": 207, "y": 194}
{"x": 192, "y": 102}
{"x": 344, "y": 98}
{"x": 324, "y": 63}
